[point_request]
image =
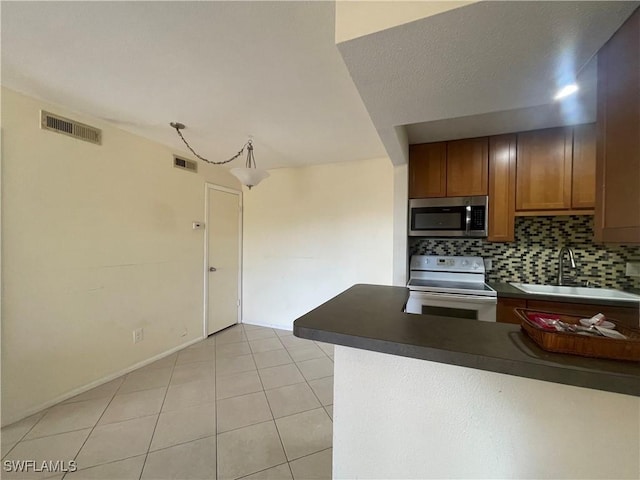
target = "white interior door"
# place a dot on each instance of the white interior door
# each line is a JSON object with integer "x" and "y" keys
{"x": 224, "y": 220}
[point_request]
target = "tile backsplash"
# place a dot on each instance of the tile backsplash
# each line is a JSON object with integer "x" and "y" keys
{"x": 533, "y": 256}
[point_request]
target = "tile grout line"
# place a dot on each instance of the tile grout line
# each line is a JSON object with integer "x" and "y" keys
{"x": 309, "y": 385}
{"x": 71, "y": 401}
{"x": 236, "y": 373}
{"x": 332, "y": 374}
{"x": 309, "y": 454}
{"x": 95, "y": 425}
{"x": 43, "y": 413}
{"x": 307, "y": 381}
{"x": 215, "y": 370}
{"x": 146, "y": 455}
{"x": 274, "y": 418}
{"x": 317, "y": 398}
{"x": 26, "y": 433}
{"x": 108, "y": 463}
{"x": 174, "y": 445}
{"x": 263, "y": 470}
{"x": 275, "y": 424}
{"x": 287, "y": 462}
{"x": 264, "y": 421}
{"x": 135, "y": 391}
{"x": 57, "y": 433}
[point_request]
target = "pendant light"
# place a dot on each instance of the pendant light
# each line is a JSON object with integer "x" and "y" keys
{"x": 249, "y": 175}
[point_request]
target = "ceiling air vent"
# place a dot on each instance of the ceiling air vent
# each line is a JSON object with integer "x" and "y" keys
{"x": 74, "y": 129}
{"x": 185, "y": 164}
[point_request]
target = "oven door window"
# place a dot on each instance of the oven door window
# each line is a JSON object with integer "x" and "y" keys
{"x": 449, "y": 312}
{"x": 438, "y": 218}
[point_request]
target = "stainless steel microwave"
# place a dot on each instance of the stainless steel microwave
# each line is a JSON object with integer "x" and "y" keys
{"x": 449, "y": 217}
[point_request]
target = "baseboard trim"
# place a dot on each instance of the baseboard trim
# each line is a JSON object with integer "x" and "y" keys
{"x": 97, "y": 383}
{"x": 268, "y": 325}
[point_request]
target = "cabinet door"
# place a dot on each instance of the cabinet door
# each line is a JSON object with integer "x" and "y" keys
{"x": 504, "y": 311}
{"x": 617, "y": 216}
{"x": 502, "y": 188}
{"x": 427, "y": 170}
{"x": 543, "y": 178}
{"x": 583, "y": 190}
{"x": 467, "y": 167}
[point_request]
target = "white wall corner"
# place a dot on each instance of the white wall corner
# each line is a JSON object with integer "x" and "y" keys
{"x": 400, "y": 212}
{"x": 396, "y": 143}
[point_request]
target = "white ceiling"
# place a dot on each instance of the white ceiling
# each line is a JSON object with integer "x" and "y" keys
{"x": 489, "y": 67}
{"x": 225, "y": 69}
{"x": 272, "y": 70}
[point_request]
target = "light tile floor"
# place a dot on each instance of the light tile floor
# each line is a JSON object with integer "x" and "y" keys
{"x": 248, "y": 402}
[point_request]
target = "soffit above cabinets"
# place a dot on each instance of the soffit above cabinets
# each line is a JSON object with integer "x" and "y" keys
{"x": 481, "y": 69}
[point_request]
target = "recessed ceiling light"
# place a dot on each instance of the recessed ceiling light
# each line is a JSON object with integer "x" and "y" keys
{"x": 566, "y": 91}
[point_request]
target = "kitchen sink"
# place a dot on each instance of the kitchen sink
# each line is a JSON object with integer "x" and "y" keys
{"x": 580, "y": 292}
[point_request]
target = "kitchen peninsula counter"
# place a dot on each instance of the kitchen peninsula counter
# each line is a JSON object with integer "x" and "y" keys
{"x": 371, "y": 317}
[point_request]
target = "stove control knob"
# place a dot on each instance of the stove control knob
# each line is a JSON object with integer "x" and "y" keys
{"x": 476, "y": 265}
{"x": 465, "y": 263}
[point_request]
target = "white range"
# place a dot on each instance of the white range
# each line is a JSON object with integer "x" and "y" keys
{"x": 448, "y": 286}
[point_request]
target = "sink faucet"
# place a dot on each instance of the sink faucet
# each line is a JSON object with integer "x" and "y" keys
{"x": 572, "y": 260}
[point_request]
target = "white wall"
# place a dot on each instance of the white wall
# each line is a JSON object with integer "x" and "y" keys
{"x": 97, "y": 241}
{"x": 400, "y": 218}
{"x": 356, "y": 19}
{"x": 397, "y": 417}
{"x": 312, "y": 232}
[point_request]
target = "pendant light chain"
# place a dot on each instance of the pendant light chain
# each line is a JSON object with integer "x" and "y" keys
{"x": 249, "y": 176}
{"x": 249, "y": 145}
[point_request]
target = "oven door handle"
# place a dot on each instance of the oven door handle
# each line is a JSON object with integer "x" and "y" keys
{"x": 454, "y": 297}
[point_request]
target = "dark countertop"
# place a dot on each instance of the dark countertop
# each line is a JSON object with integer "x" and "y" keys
{"x": 506, "y": 290}
{"x": 371, "y": 317}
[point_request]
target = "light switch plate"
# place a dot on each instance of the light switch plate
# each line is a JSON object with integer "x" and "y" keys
{"x": 633, "y": 269}
{"x": 138, "y": 335}
{"x": 488, "y": 264}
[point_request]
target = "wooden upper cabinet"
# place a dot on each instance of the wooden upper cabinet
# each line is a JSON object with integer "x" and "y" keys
{"x": 543, "y": 178}
{"x": 468, "y": 167}
{"x": 583, "y": 189}
{"x": 617, "y": 216}
{"x": 428, "y": 170}
{"x": 502, "y": 188}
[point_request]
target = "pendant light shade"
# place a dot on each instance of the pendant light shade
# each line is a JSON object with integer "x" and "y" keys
{"x": 248, "y": 176}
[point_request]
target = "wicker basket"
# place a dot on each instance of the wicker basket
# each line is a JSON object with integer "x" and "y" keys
{"x": 586, "y": 346}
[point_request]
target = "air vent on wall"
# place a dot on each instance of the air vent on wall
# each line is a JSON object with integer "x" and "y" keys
{"x": 74, "y": 129}
{"x": 185, "y": 164}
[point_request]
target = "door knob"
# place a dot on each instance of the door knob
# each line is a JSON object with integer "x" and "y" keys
{"x": 212, "y": 269}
